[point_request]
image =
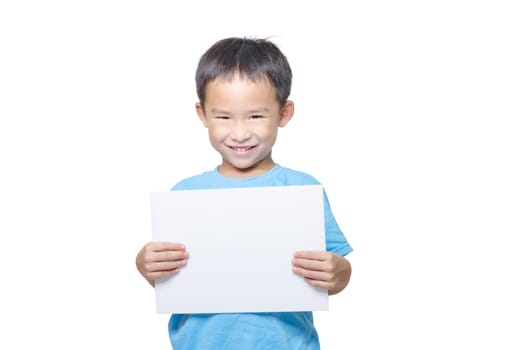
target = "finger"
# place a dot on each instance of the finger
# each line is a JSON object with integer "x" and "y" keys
{"x": 165, "y": 266}
{"x": 320, "y": 280}
{"x": 169, "y": 255}
{"x": 320, "y": 284}
{"x": 308, "y": 264}
{"x": 163, "y": 246}
{"x": 162, "y": 274}
{"x": 313, "y": 275}
{"x": 311, "y": 254}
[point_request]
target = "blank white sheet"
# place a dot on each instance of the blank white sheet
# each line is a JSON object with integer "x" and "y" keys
{"x": 241, "y": 243}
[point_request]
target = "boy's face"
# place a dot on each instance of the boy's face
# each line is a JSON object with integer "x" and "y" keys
{"x": 243, "y": 119}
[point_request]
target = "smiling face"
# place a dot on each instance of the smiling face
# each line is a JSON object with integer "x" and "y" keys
{"x": 243, "y": 118}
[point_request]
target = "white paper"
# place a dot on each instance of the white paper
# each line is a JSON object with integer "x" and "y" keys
{"x": 241, "y": 243}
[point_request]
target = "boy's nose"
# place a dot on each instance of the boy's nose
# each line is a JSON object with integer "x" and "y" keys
{"x": 240, "y": 132}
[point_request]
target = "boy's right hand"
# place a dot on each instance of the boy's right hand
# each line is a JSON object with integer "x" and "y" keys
{"x": 160, "y": 259}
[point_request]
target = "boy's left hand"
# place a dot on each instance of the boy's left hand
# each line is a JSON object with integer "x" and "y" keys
{"x": 323, "y": 269}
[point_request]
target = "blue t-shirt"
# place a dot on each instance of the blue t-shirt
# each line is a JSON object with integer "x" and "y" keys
{"x": 255, "y": 331}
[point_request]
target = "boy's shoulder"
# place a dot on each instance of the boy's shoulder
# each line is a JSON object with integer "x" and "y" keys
{"x": 296, "y": 177}
{"x": 195, "y": 182}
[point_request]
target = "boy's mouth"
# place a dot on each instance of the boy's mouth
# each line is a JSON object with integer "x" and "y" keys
{"x": 241, "y": 149}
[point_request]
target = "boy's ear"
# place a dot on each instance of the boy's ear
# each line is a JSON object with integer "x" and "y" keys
{"x": 201, "y": 113}
{"x": 286, "y": 113}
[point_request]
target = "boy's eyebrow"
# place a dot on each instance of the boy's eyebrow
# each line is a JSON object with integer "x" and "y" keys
{"x": 251, "y": 111}
{"x": 219, "y": 111}
{"x": 259, "y": 110}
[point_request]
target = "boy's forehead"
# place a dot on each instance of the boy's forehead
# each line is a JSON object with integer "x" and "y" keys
{"x": 244, "y": 92}
{"x": 225, "y": 81}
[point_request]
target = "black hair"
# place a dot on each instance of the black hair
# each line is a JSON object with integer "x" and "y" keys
{"x": 251, "y": 58}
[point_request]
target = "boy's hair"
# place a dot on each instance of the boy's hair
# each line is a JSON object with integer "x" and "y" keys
{"x": 251, "y": 58}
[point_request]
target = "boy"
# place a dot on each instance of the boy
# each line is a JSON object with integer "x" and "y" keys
{"x": 243, "y": 87}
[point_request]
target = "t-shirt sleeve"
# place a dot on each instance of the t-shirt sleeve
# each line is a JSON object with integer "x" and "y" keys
{"x": 335, "y": 239}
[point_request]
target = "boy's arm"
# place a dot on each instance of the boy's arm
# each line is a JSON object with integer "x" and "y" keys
{"x": 160, "y": 259}
{"x": 323, "y": 269}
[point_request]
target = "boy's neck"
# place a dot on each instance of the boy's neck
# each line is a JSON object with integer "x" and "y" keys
{"x": 228, "y": 170}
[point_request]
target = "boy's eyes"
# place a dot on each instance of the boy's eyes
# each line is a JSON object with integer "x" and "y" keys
{"x": 225, "y": 117}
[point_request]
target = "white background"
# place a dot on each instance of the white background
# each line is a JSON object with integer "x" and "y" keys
{"x": 411, "y": 113}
